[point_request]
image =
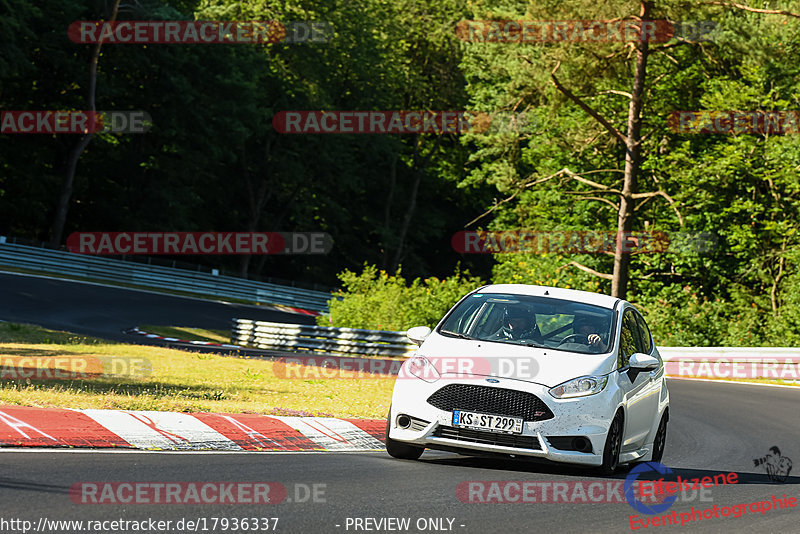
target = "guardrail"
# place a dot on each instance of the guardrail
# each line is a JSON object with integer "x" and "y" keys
{"x": 280, "y": 336}
{"x": 732, "y": 362}
{"x": 694, "y": 362}
{"x": 106, "y": 269}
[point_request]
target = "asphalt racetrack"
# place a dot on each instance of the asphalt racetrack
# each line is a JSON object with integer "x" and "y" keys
{"x": 714, "y": 428}
{"x": 105, "y": 311}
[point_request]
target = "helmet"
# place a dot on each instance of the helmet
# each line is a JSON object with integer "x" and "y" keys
{"x": 515, "y": 312}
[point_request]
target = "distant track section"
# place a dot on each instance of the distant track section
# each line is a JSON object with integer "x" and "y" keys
{"x": 60, "y": 262}
{"x": 105, "y": 311}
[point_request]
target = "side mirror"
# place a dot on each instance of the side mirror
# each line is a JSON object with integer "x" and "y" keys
{"x": 642, "y": 362}
{"x": 418, "y": 334}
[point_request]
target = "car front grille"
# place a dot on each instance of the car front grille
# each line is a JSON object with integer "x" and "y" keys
{"x": 487, "y": 438}
{"x": 497, "y": 401}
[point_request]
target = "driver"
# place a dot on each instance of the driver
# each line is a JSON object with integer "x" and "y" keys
{"x": 519, "y": 323}
{"x": 588, "y": 327}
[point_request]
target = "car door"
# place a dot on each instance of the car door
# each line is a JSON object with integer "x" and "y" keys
{"x": 655, "y": 377}
{"x": 639, "y": 393}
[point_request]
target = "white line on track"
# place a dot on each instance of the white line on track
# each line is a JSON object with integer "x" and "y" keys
{"x": 5, "y": 450}
{"x": 731, "y": 382}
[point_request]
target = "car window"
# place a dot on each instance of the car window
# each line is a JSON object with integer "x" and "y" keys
{"x": 488, "y": 320}
{"x": 464, "y": 320}
{"x": 628, "y": 339}
{"x": 551, "y": 325}
{"x": 543, "y": 322}
{"x": 644, "y": 334}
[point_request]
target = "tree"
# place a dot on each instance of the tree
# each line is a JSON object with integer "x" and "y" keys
{"x": 597, "y": 82}
{"x": 62, "y": 207}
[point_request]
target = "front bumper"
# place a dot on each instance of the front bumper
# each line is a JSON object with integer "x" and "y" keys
{"x": 587, "y": 417}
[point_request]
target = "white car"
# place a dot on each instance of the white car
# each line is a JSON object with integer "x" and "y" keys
{"x": 532, "y": 371}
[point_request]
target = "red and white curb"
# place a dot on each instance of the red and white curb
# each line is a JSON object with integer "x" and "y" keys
{"x": 22, "y": 426}
{"x": 148, "y": 335}
{"x": 292, "y": 309}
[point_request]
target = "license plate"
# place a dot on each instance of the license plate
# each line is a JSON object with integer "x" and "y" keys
{"x": 484, "y": 421}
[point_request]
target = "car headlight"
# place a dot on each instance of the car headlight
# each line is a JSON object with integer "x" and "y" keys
{"x": 422, "y": 368}
{"x": 580, "y": 387}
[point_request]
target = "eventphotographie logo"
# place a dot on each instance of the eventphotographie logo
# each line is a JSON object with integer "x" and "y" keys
{"x": 778, "y": 467}
{"x": 665, "y": 489}
{"x": 631, "y": 480}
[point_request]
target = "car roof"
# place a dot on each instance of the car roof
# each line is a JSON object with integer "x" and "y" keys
{"x": 586, "y": 297}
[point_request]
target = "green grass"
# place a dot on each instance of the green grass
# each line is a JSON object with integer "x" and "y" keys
{"x": 184, "y": 381}
{"x": 25, "y": 333}
{"x": 181, "y": 381}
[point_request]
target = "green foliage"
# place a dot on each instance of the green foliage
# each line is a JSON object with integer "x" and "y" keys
{"x": 544, "y": 270}
{"x": 376, "y": 300}
{"x": 213, "y": 160}
{"x": 744, "y": 189}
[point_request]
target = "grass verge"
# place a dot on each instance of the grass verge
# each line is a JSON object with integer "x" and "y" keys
{"x": 183, "y": 381}
{"x": 180, "y": 381}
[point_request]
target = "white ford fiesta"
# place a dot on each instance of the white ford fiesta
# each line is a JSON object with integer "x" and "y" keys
{"x": 533, "y": 371}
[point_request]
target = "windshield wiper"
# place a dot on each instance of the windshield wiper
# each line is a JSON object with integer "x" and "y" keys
{"x": 455, "y": 334}
{"x": 537, "y": 345}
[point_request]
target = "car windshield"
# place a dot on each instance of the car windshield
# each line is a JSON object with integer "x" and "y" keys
{"x": 532, "y": 321}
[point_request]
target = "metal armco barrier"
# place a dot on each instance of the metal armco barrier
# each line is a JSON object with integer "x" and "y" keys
{"x": 690, "y": 362}
{"x": 105, "y": 269}
{"x": 265, "y": 335}
{"x": 732, "y": 362}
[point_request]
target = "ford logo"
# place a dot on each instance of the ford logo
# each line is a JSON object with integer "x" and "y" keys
{"x": 493, "y": 380}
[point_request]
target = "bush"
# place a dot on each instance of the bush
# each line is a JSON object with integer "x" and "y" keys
{"x": 676, "y": 314}
{"x": 376, "y": 300}
{"x": 678, "y": 317}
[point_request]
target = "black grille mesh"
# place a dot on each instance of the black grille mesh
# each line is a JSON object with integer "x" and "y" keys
{"x": 488, "y": 438}
{"x": 490, "y": 400}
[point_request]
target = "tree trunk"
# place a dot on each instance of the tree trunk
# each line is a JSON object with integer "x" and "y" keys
{"x": 62, "y": 207}
{"x": 277, "y": 222}
{"x": 256, "y": 200}
{"x": 387, "y": 212}
{"x": 419, "y": 166}
{"x": 633, "y": 151}
{"x": 412, "y": 206}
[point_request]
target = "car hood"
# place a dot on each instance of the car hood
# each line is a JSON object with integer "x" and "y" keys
{"x": 453, "y": 357}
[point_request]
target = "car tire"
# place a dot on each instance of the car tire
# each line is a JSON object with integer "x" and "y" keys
{"x": 661, "y": 439}
{"x": 613, "y": 445}
{"x": 398, "y": 449}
